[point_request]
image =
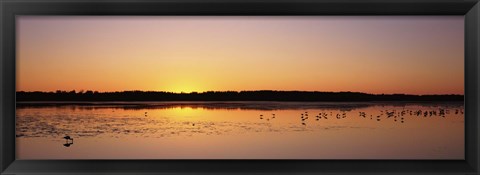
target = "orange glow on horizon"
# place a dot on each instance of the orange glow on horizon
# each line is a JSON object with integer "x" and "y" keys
{"x": 376, "y": 54}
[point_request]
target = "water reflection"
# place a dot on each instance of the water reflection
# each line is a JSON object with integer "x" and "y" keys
{"x": 311, "y": 124}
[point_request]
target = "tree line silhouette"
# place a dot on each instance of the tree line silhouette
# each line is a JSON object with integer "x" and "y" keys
{"x": 261, "y": 95}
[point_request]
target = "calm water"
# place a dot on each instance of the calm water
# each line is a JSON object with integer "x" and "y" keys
{"x": 241, "y": 130}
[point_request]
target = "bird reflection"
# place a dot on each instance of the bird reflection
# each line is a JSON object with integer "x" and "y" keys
{"x": 68, "y": 141}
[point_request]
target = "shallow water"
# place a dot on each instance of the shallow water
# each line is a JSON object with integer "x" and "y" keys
{"x": 240, "y": 130}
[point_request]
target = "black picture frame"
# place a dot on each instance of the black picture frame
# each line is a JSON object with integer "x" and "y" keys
{"x": 9, "y": 9}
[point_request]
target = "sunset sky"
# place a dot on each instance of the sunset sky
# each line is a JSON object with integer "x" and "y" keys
{"x": 372, "y": 54}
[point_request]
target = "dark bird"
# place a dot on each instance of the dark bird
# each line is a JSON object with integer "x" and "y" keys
{"x": 67, "y": 138}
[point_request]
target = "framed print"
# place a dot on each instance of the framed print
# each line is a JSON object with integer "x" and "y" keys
{"x": 239, "y": 87}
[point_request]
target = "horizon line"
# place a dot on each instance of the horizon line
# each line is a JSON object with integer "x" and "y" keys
{"x": 198, "y": 92}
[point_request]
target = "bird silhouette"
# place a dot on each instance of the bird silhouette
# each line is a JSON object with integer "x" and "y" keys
{"x": 68, "y": 138}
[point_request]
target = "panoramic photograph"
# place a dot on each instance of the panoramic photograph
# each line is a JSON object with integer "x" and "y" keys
{"x": 240, "y": 87}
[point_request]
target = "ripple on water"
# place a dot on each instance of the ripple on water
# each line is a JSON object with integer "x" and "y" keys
{"x": 32, "y": 123}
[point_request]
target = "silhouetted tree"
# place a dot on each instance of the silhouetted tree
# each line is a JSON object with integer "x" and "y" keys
{"x": 263, "y": 95}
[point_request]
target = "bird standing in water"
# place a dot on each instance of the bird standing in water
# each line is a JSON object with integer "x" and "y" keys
{"x": 68, "y": 138}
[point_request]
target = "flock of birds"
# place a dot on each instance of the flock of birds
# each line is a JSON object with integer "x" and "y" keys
{"x": 397, "y": 115}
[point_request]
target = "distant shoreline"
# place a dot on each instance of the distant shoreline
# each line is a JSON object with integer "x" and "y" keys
{"x": 212, "y": 96}
{"x": 257, "y": 105}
